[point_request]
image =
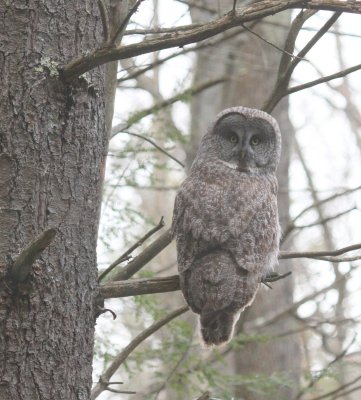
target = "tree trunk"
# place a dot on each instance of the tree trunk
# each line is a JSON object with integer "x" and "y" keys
{"x": 249, "y": 67}
{"x": 52, "y": 151}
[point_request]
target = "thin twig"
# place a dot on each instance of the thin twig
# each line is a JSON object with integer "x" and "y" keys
{"x": 325, "y": 219}
{"x": 314, "y": 254}
{"x": 124, "y": 126}
{"x": 23, "y": 264}
{"x": 125, "y": 22}
{"x": 125, "y": 256}
{"x": 261, "y": 322}
{"x": 322, "y": 374}
{"x": 321, "y": 202}
{"x": 120, "y": 391}
{"x": 328, "y": 78}
{"x": 156, "y": 146}
{"x": 124, "y": 354}
{"x": 271, "y": 44}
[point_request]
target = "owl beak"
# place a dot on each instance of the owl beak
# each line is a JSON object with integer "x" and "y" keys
{"x": 242, "y": 153}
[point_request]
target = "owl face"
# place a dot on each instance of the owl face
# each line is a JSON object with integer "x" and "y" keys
{"x": 245, "y": 144}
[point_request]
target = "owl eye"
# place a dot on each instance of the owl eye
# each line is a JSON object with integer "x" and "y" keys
{"x": 233, "y": 139}
{"x": 255, "y": 140}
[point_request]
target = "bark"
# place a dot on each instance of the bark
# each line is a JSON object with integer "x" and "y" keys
{"x": 52, "y": 147}
{"x": 250, "y": 67}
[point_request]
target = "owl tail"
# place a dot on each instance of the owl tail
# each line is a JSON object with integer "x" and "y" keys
{"x": 217, "y": 326}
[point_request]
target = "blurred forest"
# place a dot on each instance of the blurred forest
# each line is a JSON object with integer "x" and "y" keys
{"x": 299, "y": 340}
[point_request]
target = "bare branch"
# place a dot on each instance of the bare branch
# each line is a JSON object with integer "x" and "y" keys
{"x": 25, "y": 260}
{"x": 328, "y": 78}
{"x": 245, "y": 14}
{"x": 123, "y": 126}
{"x": 126, "y": 255}
{"x": 144, "y": 257}
{"x": 125, "y": 22}
{"x": 316, "y": 254}
{"x": 258, "y": 323}
{"x": 286, "y": 68}
{"x": 325, "y": 219}
{"x": 158, "y": 31}
{"x": 170, "y": 283}
{"x": 120, "y": 391}
{"x": 270, "y": 43}
{"x": 197, "y": 47}
{"x": 326, "y": 200}
{"x": 156, "y": 146}
{"x": 325, "y": 370}
{"x": 136, "y": 287}
{"x": 124, "y": 354}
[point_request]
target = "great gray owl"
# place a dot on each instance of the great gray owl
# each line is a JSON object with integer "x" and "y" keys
{"x": 225, "y": 219}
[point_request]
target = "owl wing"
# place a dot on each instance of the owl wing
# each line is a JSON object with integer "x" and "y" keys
{"x": 217, "y": 212}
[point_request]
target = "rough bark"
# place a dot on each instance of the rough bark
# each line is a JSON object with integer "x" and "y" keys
{"x": 52, "y": 147}
{"x": 250, "y": 67}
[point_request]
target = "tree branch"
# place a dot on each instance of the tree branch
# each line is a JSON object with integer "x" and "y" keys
{"x": 292, "y": 226}
{"x": 125, "y": 22}
{"x": 328, "y": 78}
{"x": 136, "y": 117}
{"x": 253, "y": 12}
{"x": 24, "y": 262}
{"x": 126, "y": 255}
{"x": 143, "y": 258}
{"x": 136, "y": 287}
{"x": 206, "y": 44}
{"x": 123, "y": 355}
{"x": 287, "y": 67}
{"x": 316, "y": 254}
{"x": 152, "y": 142}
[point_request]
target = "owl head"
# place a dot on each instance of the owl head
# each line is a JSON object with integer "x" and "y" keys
{"x": 244, "y": 139}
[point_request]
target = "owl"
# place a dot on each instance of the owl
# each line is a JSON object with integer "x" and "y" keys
{"x": 225, "y": 219}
